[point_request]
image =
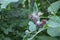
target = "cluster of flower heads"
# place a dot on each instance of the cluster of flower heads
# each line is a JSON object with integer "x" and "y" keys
{"x": 35, "y": 16}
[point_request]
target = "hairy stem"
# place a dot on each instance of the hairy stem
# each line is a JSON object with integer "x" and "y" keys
{"x": 36, "y": 33}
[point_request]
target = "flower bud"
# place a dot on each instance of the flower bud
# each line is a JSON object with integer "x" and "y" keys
{"x": 27, "y": 32}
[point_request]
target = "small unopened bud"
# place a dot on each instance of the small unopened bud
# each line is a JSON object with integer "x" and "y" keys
{"x": 27, "y": 32}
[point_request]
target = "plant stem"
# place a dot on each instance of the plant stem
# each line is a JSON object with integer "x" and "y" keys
{"x": 36, "y": 33}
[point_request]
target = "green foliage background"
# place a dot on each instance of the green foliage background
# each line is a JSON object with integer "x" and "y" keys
{"x": 14, "y": 19}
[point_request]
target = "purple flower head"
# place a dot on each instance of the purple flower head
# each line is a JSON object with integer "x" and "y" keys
{"x": 34, "y": 19}
{"x": 43, "y": 23}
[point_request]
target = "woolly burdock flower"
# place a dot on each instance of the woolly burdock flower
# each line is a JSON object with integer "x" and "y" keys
{"x": 43, "y": 23}
{"x": 36, "y": 19}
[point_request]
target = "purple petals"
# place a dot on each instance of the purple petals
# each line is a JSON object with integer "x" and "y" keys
{"x": 35, "y": 18}
{"x": 43, "y": 23}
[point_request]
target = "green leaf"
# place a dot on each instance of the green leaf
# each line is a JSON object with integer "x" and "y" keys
{"x": 53, "y": 26}
{"x": 4, "y": 3}
{"x": 54, "y": 31}
{"x": 53, "y": 8}
{"x": 6, "y": 31}
{"x": 54, "y": 21}
{"x": 35, "y": 8}
{"x": 32, "y": 26}
{"x": 44, "y": 37}
{"x": 30, "y": 23}
{"x": 7, "y": 38}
